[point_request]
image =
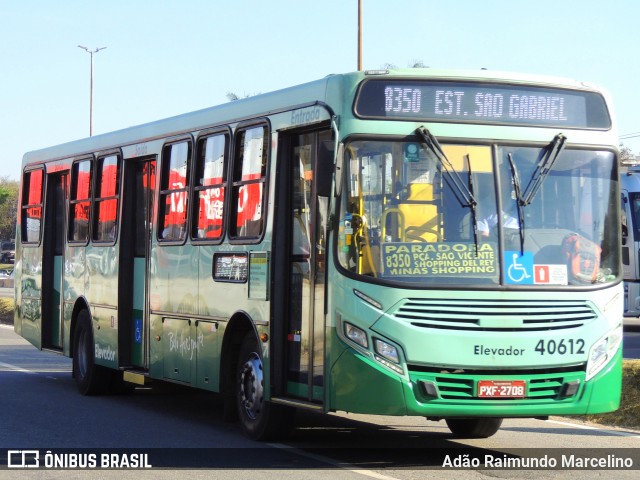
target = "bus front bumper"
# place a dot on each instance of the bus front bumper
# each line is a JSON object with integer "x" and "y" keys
{"x": 360, "y": 385}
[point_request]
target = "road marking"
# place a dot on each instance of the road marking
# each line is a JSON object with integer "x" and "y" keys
{"x": 14, "y": 368}
{"x": 341, "y": 465}
{"x": 588, "y": 427}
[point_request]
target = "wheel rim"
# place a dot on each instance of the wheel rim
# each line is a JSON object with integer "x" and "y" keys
{"x": 252, "y": 386}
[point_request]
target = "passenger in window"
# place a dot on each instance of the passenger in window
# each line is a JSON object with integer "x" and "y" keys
{"x": 489, "y": 223}
{"x": 172, "y": 232}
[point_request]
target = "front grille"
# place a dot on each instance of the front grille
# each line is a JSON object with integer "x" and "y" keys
{"x": 545, "y": 387}
{"x": 455, "y": 388}
{"x": 452, "y": 387}
{"x": 495, "y": 315}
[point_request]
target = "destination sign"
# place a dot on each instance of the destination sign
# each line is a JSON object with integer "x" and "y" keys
{"x": 481, "y": 103}
{"x": 408, "y": 259}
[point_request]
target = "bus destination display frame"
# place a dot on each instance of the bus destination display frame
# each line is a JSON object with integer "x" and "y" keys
{"x": 481, "y": 102}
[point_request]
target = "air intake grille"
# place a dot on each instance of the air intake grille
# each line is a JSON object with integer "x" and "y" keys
{"x": 457, "y": 388}
{"x": 495, "y": 315}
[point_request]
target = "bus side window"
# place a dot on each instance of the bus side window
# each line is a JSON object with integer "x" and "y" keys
{"x": 31, "y": 206}
{"x": 209, "y": 187}
{"x": 174, "y": 191}
{"x": 106, "y": 201}
{"x": 249, "y": 176}
{"x": 80, "y": 202}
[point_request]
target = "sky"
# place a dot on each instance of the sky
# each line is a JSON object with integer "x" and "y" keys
{"x": 165, "y": 58}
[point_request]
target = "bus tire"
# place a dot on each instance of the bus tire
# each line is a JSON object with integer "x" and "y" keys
{"x": 474, "y": 427}
{"x": 91, "y": 379}
{"x": 260, "y": 419}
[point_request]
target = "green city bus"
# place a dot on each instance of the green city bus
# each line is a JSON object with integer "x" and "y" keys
{"x": 422, "y": 242}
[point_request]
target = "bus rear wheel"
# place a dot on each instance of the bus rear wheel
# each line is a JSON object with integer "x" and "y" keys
{"x": 259, "y": 418}
{"x": 474, "y": 427}
{"x": 91, "y": 379}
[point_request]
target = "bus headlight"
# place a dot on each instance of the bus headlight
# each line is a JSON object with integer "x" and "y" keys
{"x": 386, "y": 350}
{"x": 356, "y": 335}
{"x": 602, "y": 351}
{"x": 387, "y": 355}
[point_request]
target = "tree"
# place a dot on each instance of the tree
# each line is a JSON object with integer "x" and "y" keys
{"x": 8, "y": 207}
{"x": 231, "y": 96}
{"x": 626, "y": 155}
{"x": 412, "y": 64}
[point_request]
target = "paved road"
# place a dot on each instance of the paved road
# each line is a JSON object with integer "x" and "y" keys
{"x": 631, "y": 345}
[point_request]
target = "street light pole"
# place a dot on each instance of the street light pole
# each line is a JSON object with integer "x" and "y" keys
{"x": 91, "y": 52}
{"x": 359, "y": 35}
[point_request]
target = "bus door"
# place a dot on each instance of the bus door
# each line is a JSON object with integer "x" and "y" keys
{"x": 135, "y": 245}
{"x": 53, "y": 259}
{"x": 302, "y": 285}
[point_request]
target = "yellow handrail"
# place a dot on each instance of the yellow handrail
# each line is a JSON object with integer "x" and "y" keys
{"x": 383, "y": 221}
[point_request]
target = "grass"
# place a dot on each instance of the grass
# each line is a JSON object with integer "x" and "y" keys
{"x": 6, "y": 304}
{"x": 628, "y": 415}
{"x": 6, "y": 310}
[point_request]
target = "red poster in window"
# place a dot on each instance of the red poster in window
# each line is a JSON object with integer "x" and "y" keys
{"x": 35, "y": 212}
{"x": 249, "y": 203}
{"x": 35, "y": 188}
{"x": 211, "y": 212}
{"x": 211, "y": 200}
{"x": 176, "y": 201}
{"x": 83, "y": 185}
{"x": 149, "y": 176}
{"x": 109, "y": 181}
{"x": 81, "y": 211}
{"x": 107, "y": 210}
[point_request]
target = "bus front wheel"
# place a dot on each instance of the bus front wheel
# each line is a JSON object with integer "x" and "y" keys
{"x": 91, "y": 379}
{"x": 474, "y": 427}
{"x": 260, "y": 419}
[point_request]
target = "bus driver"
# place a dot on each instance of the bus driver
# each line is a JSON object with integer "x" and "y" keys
{"x": 486, "y": 224}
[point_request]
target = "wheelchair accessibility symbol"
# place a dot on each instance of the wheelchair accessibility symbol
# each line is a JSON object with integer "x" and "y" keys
{"x": 518, "y": 268}
{"x": 137, "y": 333}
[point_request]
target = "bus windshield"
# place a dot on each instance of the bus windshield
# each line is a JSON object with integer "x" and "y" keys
{"x": 469, "y": 214}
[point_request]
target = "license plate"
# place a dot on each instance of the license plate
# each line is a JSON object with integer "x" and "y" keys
{"x": 502, "y": 388}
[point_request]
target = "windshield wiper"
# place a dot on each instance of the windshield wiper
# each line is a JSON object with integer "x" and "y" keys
{"x": 473, "y": 204}
{"x": 520, "y": 202}
{"x": 434, "y": 147}
{"x": 542, "y": 169}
